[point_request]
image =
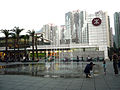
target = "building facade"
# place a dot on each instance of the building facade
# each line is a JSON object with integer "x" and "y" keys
{"x": 62, "y": 34}
{"x": 50, "y": 33}
{"x": 81, "y": 28}
{"x": 111, "y": 38}
{"x": 117, "y": 28}
{"x": 99, "y": 34}
{"x": 74, "y": 23}
{"x": 83, "y": 34}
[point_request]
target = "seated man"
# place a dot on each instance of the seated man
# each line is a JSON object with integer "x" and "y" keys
{"x": 88, "y": 68}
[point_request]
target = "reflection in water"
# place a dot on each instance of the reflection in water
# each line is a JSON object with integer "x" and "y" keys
{"x": 48, "y": 69}
{"x": 47, "y": 66}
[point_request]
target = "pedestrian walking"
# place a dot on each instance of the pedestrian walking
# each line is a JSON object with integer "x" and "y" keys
{"x": 104, "y": 66}
{"x": 115, "y": 61}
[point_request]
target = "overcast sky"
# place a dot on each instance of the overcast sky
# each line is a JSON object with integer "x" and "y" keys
{"x": 33, "y": 14}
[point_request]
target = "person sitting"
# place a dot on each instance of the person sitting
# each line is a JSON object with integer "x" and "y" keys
{"x": 88, "y": 68}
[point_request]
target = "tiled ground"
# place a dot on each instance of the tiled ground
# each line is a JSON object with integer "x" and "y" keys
{"x": 24, "y": 82}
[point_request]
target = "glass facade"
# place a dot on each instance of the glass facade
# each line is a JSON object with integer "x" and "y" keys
{"x": 80, "y": 29}
{"x": 117, "y": 28}
{"x": 69, "y": 25}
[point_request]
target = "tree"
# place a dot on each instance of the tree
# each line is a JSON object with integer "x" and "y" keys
{"x": 6, "y": 33}
{"x": 25, "y": 37}
{"x": 36, "y": 37}
{"x": 17, "y": 31}
{"x": 14, "y": 44}
{"x": 36, "y": 42}
{"x": 32, "y": 34}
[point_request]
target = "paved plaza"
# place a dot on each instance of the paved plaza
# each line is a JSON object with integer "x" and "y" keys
{"x": 28, "y": 82}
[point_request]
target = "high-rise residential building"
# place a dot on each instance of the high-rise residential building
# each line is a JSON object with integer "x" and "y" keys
{"x": 89, "y": 29}
{"x": 111, "y": 37}
{"x": 114, "y": 44}
{"x": 62, "y": 34}
{"x": 74, "y": 23}
{"x": 69, "y": 26}
{"x": 117, "y": 28}
{"x": 80, "y": 29}
{"x": 49, "y": 31}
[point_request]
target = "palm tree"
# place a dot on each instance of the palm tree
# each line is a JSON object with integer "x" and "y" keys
{"x": 42, "y": 40}
{"x": 25, "y": 37}
{"x": 6, "y": 33}
{"x": 27, "y": 42}
{"x": 36, "y": 40}
{"x": 17, "y": 31}
{"x": 14, "y": 44}
{"x": 36, "y": 43}
{"x": 32, "y": 33}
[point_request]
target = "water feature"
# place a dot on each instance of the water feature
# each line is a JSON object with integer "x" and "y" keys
{"x": 49, "y": 69}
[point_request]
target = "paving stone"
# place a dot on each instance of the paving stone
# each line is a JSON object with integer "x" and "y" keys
{"x": 27, "y": 82}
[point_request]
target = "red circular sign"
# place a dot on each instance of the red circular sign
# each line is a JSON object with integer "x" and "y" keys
{"x": 96, "y": 21}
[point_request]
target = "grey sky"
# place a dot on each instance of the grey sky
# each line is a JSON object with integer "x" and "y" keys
{"x": 33, "y": 14}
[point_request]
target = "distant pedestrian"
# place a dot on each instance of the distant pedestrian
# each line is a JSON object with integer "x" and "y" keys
{"x": 97, "y": 58}
{"x": 104, "y": 66}
{"x": 115, "y": 61}
{"x": 77, "y": 60}
{"x": 82, "y": 58}
{"x": 88, "y": 68}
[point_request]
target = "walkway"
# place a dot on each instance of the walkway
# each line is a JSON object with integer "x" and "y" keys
{"x": 24, "y": 82}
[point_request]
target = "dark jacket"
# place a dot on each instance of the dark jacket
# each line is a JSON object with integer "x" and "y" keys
{"x": 115, "y": 58}
{"x": 88, "y": 68}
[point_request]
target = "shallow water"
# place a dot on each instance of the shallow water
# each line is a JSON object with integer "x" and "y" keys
{"x": 49, "y": 69}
